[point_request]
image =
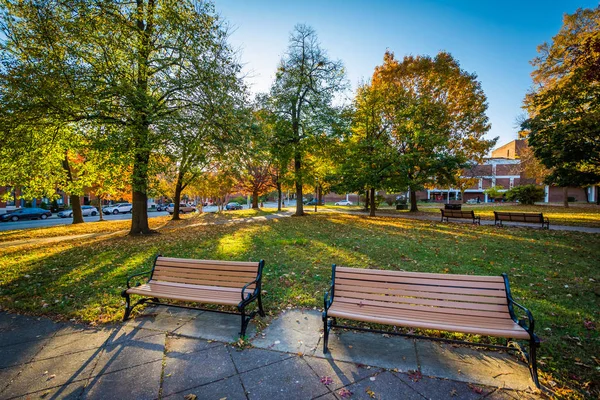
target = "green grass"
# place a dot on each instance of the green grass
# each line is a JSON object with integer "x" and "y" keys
{"x": 555, "y": 274}
{"x": 576, "y": 215}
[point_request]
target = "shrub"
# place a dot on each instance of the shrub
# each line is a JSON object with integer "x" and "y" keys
{"x": 390, "y": 200}
{"x": 494, "y": 192}
{"x": 239, "y": 199}
{"x": 526, "y": 194}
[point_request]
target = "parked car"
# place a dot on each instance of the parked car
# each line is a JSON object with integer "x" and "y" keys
{"x": 344, "y": 203}
{"x": 234, "y": 205}
{"x": 121, "y": 208}
{"x": 183, "y": 208}
{"x": 26, "y": 213}
{"x": 86, "y": 211}
{"x": 162, "y": 207}
{"x": 314, "y": 202}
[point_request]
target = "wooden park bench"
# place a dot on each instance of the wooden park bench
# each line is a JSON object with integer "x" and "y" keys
{"x": 460, "y": 214}
{"x": 480, "y": 305}
{"x": 227, "y": 283}
{"x": 536, "y": 218}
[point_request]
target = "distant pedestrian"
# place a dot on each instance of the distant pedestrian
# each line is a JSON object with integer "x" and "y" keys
{"x": 478, "y": 200}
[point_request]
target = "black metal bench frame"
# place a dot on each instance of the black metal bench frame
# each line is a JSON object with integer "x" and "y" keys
{"x": 245, "y": 299}
{"x": 527, "y": 324}
{"x": 520, "y": 217}
{"x": 464, "y": 215}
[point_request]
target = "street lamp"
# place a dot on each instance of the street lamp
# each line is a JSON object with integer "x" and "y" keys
{"x": 316, "y": 193}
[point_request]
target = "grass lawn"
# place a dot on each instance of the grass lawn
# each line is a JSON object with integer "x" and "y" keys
{"x": 555, "y": 274}
{"x": 576, "y": 214}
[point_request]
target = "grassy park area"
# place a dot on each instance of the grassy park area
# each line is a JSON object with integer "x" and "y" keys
{"x": 553, "y": 273}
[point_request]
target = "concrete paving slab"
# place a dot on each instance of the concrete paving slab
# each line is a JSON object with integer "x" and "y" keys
{"x": 140, "y": 383}
{"x": 248, "y": 359}
{"x": 290, "y": 379}
{"x": 72, "y": 391}
{"x": 74, "y": 342}
{"x": 384, "y": 386}
{"x": 7, "y": 375}
{"x": 183, "y": 345}
{"x": 162, "y": 318}
{"x": 187, "y": 371}
{"x": 51, "y": 373}
{"x": 20, "y": 353}
{"x": 295, "y": 331}
{"x": 473, "y": 365}
{"x": 121, "y": 334}
{"x": 341, "y": 373}
{"x": 229, "y": 388}
{"x": 130, "y": 353}
{"x": 373, "y": 349}
{"x": 215, "y": 326}
{"x": 25, "y": 329}
{"x": 433, "y": 388}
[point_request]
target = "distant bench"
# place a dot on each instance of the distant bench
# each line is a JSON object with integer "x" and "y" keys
{"x": 460, "y": 214}
{"x": 228, "y": 283}
{"x": 536, "y": 218}
{"x": 480, "y": 305}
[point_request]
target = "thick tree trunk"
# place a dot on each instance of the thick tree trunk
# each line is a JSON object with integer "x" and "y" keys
{"x": 367, "y": 203}
{"x": 255, "y": 199}
{"x": 139, "y": 218}
{"x": 320, "y": 195}
{"x": 566, "y": 196}
{"x": 413, "y": 201}
{"x": 177, "y": 200}
{"x": 462, "y": 196}
{"x": 278, "y": 196}
{"x": 76, "y": 206}
{"x": 297, "y": 170}
{"x": 372, "y": 198}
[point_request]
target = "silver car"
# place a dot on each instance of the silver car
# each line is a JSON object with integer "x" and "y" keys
{"x": 86, "y": 211}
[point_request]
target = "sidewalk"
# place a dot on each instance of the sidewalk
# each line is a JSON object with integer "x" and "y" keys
{"x": 169, "y": 353}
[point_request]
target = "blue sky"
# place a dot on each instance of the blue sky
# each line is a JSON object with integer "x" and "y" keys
{"x": 495, "y": 39}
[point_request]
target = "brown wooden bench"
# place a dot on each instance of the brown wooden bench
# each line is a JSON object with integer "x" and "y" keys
{"x": 227, "y": 283}
{"x": 536, "y": 218}
{"x": 460, "y": 214}
{"x": 480, "y": 305}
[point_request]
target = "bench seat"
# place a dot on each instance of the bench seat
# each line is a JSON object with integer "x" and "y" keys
{"x": 227, "y": 283}
{"x": 471, "y": 304}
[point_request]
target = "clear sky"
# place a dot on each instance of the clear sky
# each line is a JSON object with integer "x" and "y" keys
{"x": 495, "y": 39}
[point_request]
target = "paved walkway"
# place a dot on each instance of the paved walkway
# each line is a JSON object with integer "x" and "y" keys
{"x": 170, "y": 353}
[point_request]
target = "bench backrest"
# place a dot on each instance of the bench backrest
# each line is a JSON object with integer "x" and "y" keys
{"x": 518, "y": 217}
{"x": 233, "y": 274}
{"x": 451, "y": 296}
{"x": 457, "y": 213}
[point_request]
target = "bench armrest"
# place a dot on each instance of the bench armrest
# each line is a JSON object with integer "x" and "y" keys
{"x": 329, "y": 294}
{"x": 254, "y": 293}
{"x": 530, "y": 324}
{"x": 136, "y": 275}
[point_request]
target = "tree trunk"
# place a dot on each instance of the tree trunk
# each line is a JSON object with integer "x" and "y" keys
{"x": 139, "y": 218}
{"x": 566, "y": 196}
{"x": 413, "y": 201}
{"x": 367, "y": 203}
{"x": 278, "y": 196}
{"x": 76, "y": 205}
{"x": 462, "y": 196}
{"x": 297, "y": 169}
{"x": 100, "y": 212}
{"x": 320, "y": 195}
{"x": 372, "y": 198}
{"x": 75, "y": 201}
{"x": 255, "y": 199}
{"x": 177, "y": 199}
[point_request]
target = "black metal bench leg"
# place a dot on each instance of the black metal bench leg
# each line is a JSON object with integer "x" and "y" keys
{"x": 261, "y": 312}
{"x": 325, "y": 333}
{"x": 128, "y": 307}
{"x": 534, "y": 343}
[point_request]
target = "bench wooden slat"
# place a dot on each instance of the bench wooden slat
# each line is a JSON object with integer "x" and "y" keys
{"x": 461, "y": 303}
{"x": 210, "y": 262}
{"x": 193, "y": 271}
{"x": 193, "y": 295}
{"x": 516, "y": 333}
{"x": 499, "y": 299}
{"x": 204, "y": 282}
{"x": 207, "y": 266}
{"x": 436, "y": 310}
{"x": 373, "y": 286}
{"x": 158, "y": 273}
{"x": 487, "y": 322}
{"x": 185, "y": 285}
{"x": 347, "y": 276}
{"x": 453, "y": 277}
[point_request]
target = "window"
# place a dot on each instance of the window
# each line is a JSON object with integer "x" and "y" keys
{"x": 480, "y": 185}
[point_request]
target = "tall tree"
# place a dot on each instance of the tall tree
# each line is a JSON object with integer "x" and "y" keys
{"x": 305, "y": 86}
{"x": 131, "y": 64}
{"x": 436, "y": 112}
{"x": 564, "y": 104}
